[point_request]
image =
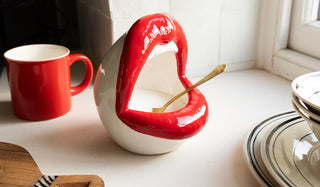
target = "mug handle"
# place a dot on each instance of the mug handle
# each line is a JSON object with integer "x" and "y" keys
{"x": 89, "y": 72}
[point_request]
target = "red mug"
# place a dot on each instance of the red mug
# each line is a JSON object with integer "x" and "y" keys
{"x": 39, "y": 80}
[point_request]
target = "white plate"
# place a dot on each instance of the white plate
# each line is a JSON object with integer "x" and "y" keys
{"x": 307, "y": 88}
{"x": 252, "y": 148}
{"x": 286, "y": 151}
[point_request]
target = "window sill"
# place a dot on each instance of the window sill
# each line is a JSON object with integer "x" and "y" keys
{"x": 290, "y": 64}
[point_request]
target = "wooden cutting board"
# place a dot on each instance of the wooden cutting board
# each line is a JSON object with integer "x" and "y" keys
{"x": 17, "y": 168}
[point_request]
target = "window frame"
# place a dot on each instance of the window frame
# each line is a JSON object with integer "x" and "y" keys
{"x": 305, "y": 28}
{"x": 274, "y": 53}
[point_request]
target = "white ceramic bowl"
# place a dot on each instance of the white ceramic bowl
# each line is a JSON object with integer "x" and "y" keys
{"x": 128, "y": 85}
{"x": 307, "y": 88}
{"x": 303, "y": 108}
{"x": 314, "y": 125}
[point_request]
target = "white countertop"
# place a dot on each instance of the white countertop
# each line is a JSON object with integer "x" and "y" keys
{"x": 77, "y": 142}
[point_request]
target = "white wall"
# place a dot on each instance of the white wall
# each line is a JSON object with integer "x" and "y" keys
{"x": 218, "y": 31}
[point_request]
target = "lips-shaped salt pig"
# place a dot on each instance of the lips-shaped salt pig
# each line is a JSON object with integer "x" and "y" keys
{"x": 155, "y": 43}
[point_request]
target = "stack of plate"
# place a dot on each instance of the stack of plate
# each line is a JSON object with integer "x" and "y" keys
{"x": 283, "y": 150}
{"x": 306, "y": 99}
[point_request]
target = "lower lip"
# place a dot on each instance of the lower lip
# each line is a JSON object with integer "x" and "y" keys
{"x": 144, "y": 100}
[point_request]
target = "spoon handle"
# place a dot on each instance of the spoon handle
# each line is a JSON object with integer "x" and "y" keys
{"x": 219, "y": 69}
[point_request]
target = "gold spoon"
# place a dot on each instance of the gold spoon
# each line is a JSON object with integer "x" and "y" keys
{"x": 219, "y": 69}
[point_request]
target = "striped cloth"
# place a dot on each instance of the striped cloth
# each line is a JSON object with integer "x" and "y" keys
{"x": 45, "y": 181}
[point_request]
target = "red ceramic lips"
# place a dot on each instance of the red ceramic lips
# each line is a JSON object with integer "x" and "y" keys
{"x": 143, "y": 36}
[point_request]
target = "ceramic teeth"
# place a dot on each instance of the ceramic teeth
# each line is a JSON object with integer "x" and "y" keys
{"x": 45, "y": 181}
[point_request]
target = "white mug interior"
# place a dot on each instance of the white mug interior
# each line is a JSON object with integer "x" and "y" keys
{"x": 36, "y": 52}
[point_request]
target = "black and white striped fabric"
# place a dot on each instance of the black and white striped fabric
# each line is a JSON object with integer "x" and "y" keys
{"x": 45, "y": 181}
